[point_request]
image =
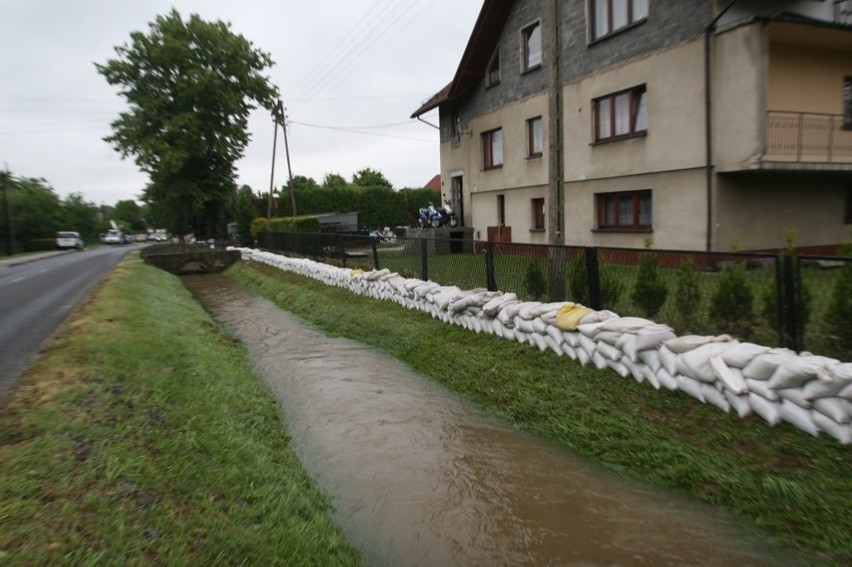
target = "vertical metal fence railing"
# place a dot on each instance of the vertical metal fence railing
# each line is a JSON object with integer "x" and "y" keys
{"x": 779, "y": 300}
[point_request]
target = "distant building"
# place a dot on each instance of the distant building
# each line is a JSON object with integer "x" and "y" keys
{"x": 697, "y": 124}
{"x": 434, "y": 183}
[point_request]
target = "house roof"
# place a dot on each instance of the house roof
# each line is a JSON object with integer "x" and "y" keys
{"x": 434, "y": 183}
{"x": 483, "y": 40}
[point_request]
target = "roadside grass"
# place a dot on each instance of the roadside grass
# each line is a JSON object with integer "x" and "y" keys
{"x": 141, "y": 437}
{"x": 788, "y": 487}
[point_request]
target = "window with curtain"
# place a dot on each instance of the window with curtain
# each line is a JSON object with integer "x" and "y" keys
{"x": 537, "y": 210}
{"x": 625, "y": 210}
{"x": 621, "y": 114}
{"x": 492, "y": 148}
{"x": 611, "y": 16}
{"x": 535, "y": 137}
{"x": 531, "y": 38}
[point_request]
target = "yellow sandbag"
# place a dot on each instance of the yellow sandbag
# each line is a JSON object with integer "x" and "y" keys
{"x": 357, "y": 271}
{"x": 569, "y": 316}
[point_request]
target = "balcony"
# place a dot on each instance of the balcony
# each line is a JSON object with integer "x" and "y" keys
{"x": 799, "y": 138}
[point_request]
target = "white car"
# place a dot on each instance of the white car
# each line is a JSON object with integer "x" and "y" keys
{"x": 68, "y": 239}
{"x": 113, "y": 236}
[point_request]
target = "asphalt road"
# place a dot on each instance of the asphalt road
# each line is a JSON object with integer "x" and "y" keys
{"x": 38, "y": 294}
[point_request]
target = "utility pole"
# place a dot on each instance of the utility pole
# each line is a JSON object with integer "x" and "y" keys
{"x": 272, "y": 174}
{"x": 556, "y": 159}
{"x": 287, "y": 151}
{"x": 6, "y": 181}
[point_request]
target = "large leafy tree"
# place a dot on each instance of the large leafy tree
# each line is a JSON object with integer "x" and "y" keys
{"x": 80, "y": 215}
{"x": 368, "y": 177}
{"x": 35, "y": 210}
{"x": 190, "y": 86}
{"x": 131, "y": 213}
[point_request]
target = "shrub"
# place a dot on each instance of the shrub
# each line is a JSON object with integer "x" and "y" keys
{"x": 650, "y": 291}
{"x": 770, "y": 306}
{"x": 536, "y": 284}
{"x": 687, "y": 298}
{"x": 732, "y": 303}
{"x": 578, "y": 283}
{"x": 839, "y": 314}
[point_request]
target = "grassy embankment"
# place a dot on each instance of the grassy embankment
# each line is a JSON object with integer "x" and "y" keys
{"x": 793, "y": 488}
{"x": 141, "y": 437}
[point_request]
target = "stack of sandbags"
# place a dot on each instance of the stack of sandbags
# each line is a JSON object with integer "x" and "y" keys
{"x": 813, "y": 393}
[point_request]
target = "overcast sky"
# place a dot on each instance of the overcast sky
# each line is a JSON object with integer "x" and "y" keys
{"x": 351, "y": 72}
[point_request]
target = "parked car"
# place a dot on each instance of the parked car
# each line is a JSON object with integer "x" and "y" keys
{"x": 69, "y": 239}
{"x": 113, "y": 236}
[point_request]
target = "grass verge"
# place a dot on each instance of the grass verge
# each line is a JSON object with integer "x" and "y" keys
{"x": 789, "y": 487}
{"x": 142, "y": 437}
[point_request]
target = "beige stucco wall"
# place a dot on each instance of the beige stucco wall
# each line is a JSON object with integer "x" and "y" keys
{"x": 679, "y": 211}
{"x": 675, "y": 138}
{"x": 757, "y": 211}
{"x": 518, "y": 211}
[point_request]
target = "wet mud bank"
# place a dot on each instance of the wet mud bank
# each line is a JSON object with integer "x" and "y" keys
{"x": 419, "y": 477}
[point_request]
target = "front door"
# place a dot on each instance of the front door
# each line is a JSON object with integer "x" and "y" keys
{"x": 457, "y": 197}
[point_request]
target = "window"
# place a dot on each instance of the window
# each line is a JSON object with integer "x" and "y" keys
{"x": 501, "y": 210}
{"x": 537, "y": 209}
{"x": 454, "y": 122}
{"x": 493, "y": 71}
{"x": 532, "y": 46}
{"x": 847, "y": 103}
{"x": 535, "y": 137}
{"x": 492, "y": 148}
{"x": 621, "y": 115}
{"x": 628, "y": 210}
{"x": 610, "y": 16}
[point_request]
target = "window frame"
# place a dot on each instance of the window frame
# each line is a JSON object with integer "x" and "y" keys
{"x": 538, "y": 221}
{"x": 847, "y": 102}
{"x": 638, "y": 109}
{"x": 531, "y": 150}
{"x": 493, "y": 66}
{"x": 631, "y": 19}
{"x": 527, "y": 32}
{"x": 488, "y": 142}
{"x": 634, "y": 199}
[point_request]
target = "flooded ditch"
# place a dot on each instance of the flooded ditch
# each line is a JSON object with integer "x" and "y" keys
{"x": 419, "y": 477}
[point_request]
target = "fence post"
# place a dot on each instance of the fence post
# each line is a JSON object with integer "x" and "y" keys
{"x": 424, "y": 262}
{"x": 791, "y": 302}
{"x": 375, "y": 247}
{"x": 593, "y": 277}
{"x": 490, "y": 276}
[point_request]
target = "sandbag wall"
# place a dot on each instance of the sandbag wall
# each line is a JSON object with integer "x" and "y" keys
{"x": 813, "y": 393}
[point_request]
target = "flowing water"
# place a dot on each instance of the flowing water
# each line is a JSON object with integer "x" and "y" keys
{"x": 419, "y": 477}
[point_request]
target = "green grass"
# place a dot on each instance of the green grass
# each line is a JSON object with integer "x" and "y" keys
{"x": 142, "y": 438}
{"x": 792, "y": 488}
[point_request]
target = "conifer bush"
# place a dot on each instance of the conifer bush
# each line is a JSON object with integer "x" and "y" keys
{"x": 536, "y": 284}
{"x": 732, "y": 303}
{"x": 650, "y": 291}
{"x": 687, "y": 297}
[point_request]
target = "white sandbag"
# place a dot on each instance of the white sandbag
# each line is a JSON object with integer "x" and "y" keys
{"x": 798, "y": 416}
{"x": 819, "y": 389}
{"x": 547, "y": 308}
{"x": 509, "y": 333}
{"x": 587, "y": 344}
{"x": 609, "y": 351}
{"x": 525, "y": 312}
{"x": 841, "y": 432}
{"x": 569, "y": 351}
{"x": 618, "y": 367}
{"x": 846, "y": 393}
{"x": 690, "y": 386}
{"x": 555, "y": 334}
{"x": 445, "y": 296}
{"x": 553, "y": 345}
{"x": 525, "y": 325}
{"x": 572, "y": 338}
{"x": 625, "y": 324}
{"x": 697, "y": 361}
{"x": 798, "y": 370}
{"x": 492, "y": 307}
{"x": 582, "y": 355}
{"x": 522, "y": 336}
{"x": 794, "y": 395}
{"x": 539, "y": 326}
{"x": 686, "y": 343}
{"x": 761, "y": 388}
{"x": 650, "y": 375}
{"x": 730, "y": 378}
{"x": 740, "y": 354}
{"x": 666, "y": 380}
{"x": 837, "y": 409}
{"x": 599, "y": 316}
{"x": 652, "y": 336}
{"x": 739, "y": 403}
{"x": 769, "y": 411}
{"x": 497, "y": 327}
{"x": 842, "y": 372}
{"x": 713, "y": 396}
{"x": 599, "y": 360}
{"x": 589, "y": 329}
{"x": 539, "y": 341}
{"x": 509, "y": 311}
{"x": 668, "y": 359}
{"x": 651, "y": 359}
{"x": 634, "y": 368}
{"x": 627, "y": 345}
{"x": 609, "y": 337}
{"x": 764, "y": 365}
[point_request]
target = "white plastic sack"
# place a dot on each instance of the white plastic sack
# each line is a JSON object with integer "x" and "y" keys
{"x": 841, "y": 432}
{"x": 798, "y": 416}
{"x": 769, "y": 411}
{"x": 836, "y": 408}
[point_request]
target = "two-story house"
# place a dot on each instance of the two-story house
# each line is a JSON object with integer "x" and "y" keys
{"x": 696, "y": 124}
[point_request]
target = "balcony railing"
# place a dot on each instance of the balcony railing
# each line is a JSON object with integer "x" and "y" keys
{"x": 801, "y": 137}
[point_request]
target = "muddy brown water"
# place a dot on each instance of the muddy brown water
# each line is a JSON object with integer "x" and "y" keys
{"x": 419, "y": 477}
